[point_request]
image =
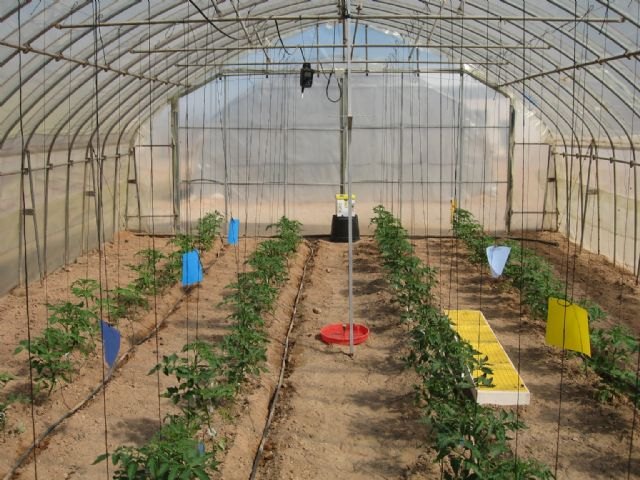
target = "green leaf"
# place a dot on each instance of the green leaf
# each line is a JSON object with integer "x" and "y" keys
{"x": 100, "y": 458}
{"x": 132, "y": 471}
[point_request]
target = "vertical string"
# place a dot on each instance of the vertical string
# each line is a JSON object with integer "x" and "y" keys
{"x": 100, "y": 222}
{"x": 153, "y": 220}
{"x": 23, "y": 233}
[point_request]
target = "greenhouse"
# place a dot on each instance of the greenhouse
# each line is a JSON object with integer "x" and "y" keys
{"x": 321, "y": 239}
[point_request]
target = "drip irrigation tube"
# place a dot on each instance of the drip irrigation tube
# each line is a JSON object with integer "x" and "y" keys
{"x": 124, "y": 359}
{"x": 283, "y": 367}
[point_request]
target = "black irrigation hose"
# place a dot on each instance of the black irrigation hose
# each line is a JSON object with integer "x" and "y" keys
{"x": 122, "y": 360}
{"x": 285, "y": 355}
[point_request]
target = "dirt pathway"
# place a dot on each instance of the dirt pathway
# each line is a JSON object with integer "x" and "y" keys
{"x": 341, "y": 417}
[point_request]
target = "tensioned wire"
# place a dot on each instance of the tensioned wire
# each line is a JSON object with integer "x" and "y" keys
{"x": 522, "y": 215}
{"x": 153, "y": 222}
{"x": 566, "y": 289}
{"x": 100, "y": 225}
{"x": 637, "y": 383}
{"x": 23, "y": 234}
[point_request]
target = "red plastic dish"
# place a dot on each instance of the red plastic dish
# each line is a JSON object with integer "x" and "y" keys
{"x": 339, "y": 333}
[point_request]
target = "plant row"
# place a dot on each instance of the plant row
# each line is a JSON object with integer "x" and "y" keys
{"x": 72, "y": 325}
{"x": 208, "y": 376}
{"x": 612, "y": 349}
{"x": 471, "y": 439}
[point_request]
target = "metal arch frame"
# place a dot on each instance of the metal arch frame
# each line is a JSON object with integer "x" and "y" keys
{"x": 404, "y": 28}
{"x": 77, "y": 111}
{"x": 471, "y": 27}
{"x": 80, "y": 80}
{"x": 591, "y": 94}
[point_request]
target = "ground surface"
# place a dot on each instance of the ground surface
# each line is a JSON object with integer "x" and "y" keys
{"x": 344, "y": 417}
{"x": 337, "y": 416}
{"x": 565, "y": 423}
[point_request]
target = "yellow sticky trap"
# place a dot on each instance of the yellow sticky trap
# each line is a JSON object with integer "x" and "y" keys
{"x": 507, "y": 388}
{"x": 568, "y": 326}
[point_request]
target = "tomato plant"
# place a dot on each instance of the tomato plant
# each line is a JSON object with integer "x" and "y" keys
{"x": 200, "y": 379}
{"x": 471, "y": 440}
{"x": 172, "y": 453}
{"x": 209, "y": 375}
{"x": 612, "y": 350}
{"x": 50, "y": 357}
{"x": 208, "y": 227}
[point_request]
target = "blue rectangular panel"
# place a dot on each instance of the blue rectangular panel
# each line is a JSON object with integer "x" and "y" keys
{"x": 191, "y": 268}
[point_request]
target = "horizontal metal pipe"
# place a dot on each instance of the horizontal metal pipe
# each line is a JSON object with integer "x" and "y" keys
{"x": 209, "y": 181}
{"x": 368, "y": 71}
{"x": 330, "y": 62}
{"x": 46, "y": 167}
{"x": 155, "y": 145}
{"x": 576, "y": 66}
{"x": 630, "y": 163}
{"x": 151, "y": 216}
{"x": 83, "y": 63}
{"x": 511, "y": 46}
{"x": 338, "y": 18}
{"x": 355, "y": 127}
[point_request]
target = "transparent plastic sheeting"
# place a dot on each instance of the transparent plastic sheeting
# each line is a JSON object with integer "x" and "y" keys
{"x": 601, "y": 97}
{"x": 68, "y": 206}
{"x": 279, "y": 151}
{"x": 597, "y": 204}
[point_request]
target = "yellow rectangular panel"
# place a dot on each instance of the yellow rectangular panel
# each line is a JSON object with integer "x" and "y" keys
{"x": 508, "y": 387}
{"x": 568, "y": 326}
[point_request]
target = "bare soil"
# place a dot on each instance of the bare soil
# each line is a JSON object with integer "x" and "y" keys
{"x": 346, "y": 417}
{"x": 337, "y": 416}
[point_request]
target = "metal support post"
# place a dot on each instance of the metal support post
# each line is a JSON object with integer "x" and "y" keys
{"x": 512, "y": 146}
{"x": 175, "y": 164}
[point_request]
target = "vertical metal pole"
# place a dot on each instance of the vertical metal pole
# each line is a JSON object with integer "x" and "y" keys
{"x": 225, "y": 147}
{"x": 21, "y": 224}
{"x": 546, "y": 190}
{"x": 84, "y": 206}
{"x": 343, "y": 135}
{"x": 33, "y": 215}
{"x": 347, "y": 93}
{"x": 137, "y": 184}
{"x": 45, "y": 220}
{"x": 366, "y": 49}
{"x": 116, "y": 194}
{"x": 317, "y": 50}
{"x": 512, "y": 147}
{"x": 460, "y": 139}
{"x": 598, "y": 195}
{"x": 400, "y": 170}
{"x": 175, "y": 164}
{"x": 586, "y": 197}
{"x": 615, "y": 208}
{"x": 67, "y": 189}
{"x": 126, "y": 193}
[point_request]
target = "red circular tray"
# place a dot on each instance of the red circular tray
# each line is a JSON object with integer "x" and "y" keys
{"x": 339, "y": 333}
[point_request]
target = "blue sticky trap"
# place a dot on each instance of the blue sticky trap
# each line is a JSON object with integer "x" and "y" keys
{"x": 234, "y": 230}
{"x": 111, "y": 343}
{"x": 191, "y": 268}
{"x": 497, "y": 257}
{"x": 201, "y": 449}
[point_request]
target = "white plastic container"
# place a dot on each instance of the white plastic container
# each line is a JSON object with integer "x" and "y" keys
{"x": 342, "y": 207}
